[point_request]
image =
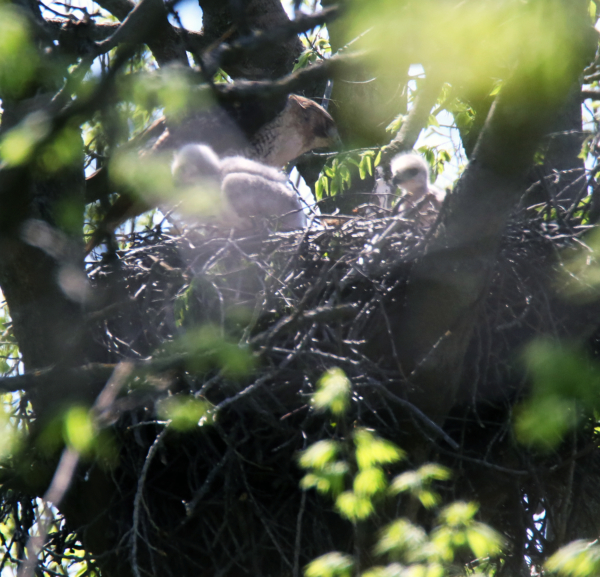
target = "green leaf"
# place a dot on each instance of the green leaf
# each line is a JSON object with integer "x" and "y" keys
{"x": 577, "y": 559}
{"x": 458, "y": 514}
{"x": 302, "y": 61}
{"x": 484, "y": 541}
{"x": 377, "y": 158}
{"x": 336, "y": 184}
{"x": 401, "y": 538}
{"x": 371, "y": 450}
{"x": 322, "y": 187}
{"x": 370, "y": 482}
{"x": 328, "y": 479}
{"x": 544, "y": 421}
{"x": 184, "y": 412}
{"x": 434, "y": 472}
{"x": 428, "y": 499}
{"x": 354, "y": 507}
{"x": 16, "y": 145}
{"x": 78, "y": 430}
{"x": 206, "y": 347}
{"x": 19, "y": 59}
{"x": 319, "y": 454}
{"x": 396, "y": 124}
{"x": 345, "y": 176}
{"x": 330, "y": 565}
{"x": 362, "y": 167}
{"x": 333, "y": 392}
{"x": 433, "y": 121}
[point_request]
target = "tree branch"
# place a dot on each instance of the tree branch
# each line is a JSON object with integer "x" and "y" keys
{"x": 415, "y": 122}
{"x": 435, "y": 317}
{"x": 226, "y": 54}
{"x": 154, "y": 28}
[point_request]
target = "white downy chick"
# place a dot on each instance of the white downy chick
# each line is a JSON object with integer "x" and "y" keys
{"x": 410, "y": 172}
{"x": 249, "y": 190}
{"x": 259, "y": 192}
{"x": 196, "y": 172}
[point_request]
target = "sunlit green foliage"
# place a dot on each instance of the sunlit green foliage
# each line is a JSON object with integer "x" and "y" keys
{"x": 333, "y": 392}
{"x": 355, "y": 472}
{"x": 437, "y": 159}
{"x": 317, "y": 47}
{"x": 565, "y": 387}
{"x": 17, "y": 145}
{"x": 206, "y": 348}
{"x": 418, "y": 483}
{"x": 336, "y": 175}
{"x": 185, "y": 412}
{"x": 76, "y": 428}
{"x": 580, "y": 280}
{"x": 18, "y": 56}
{"x": 9, "y": 351}
{"x": 331, "y": 565}
{"x": 11, "y": 429}
{"x": 444, "y": 34}
{"x": 458, "y": 529}
{"x": 577, "y": 559}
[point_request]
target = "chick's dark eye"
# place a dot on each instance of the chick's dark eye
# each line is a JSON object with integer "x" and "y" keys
{"x": 411, "y": 172}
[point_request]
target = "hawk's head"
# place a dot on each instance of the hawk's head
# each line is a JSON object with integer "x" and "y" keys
{"x": 301, "y": 126}
{"x": 312, "y": 121}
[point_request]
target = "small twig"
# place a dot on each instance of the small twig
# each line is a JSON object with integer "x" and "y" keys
{"x": 139, "y": 496}
{"x": 65, "y": 471}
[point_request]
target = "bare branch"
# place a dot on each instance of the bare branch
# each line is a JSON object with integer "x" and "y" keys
{"x": 417, "y": 119}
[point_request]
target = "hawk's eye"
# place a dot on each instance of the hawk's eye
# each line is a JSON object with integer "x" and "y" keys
{"x": 410, "y": 173}
{"x": 322, "y": 130}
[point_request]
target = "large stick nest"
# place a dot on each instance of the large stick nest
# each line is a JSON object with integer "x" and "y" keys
{"x": 224, "y": 498}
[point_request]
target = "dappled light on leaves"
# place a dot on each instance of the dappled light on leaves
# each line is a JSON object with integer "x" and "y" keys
{"x": 578, "y": 559}
{"x": 371, "y": 450}
{"x": 566, "y": 384}
{"x": 79, "y": 431}
{"x": 184, "y": 412}
{"x": 442, "y": 35}
{"x": 402, "y": 540}
{"x": 149, "y": 177}
{"x": 18, "y": 56}
{"x": 580, "y": 274}
{"x": 333, "y": 392}
{"x": 459, "y": 529}
{"x": 330, "y": 565}
{"x": 418, "y": 484}
{"x": 10, "y": 431}
{"x": 17, "y": 144}
{"x": 207, "y": 348}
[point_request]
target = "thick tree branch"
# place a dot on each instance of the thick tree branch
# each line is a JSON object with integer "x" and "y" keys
{"x": 228, "y": 20}
{"x": 227, "y": 54}
{"x": 164, "y": 43}
{"x": 436, "y": 316}
{"x": 273, "y": 89}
